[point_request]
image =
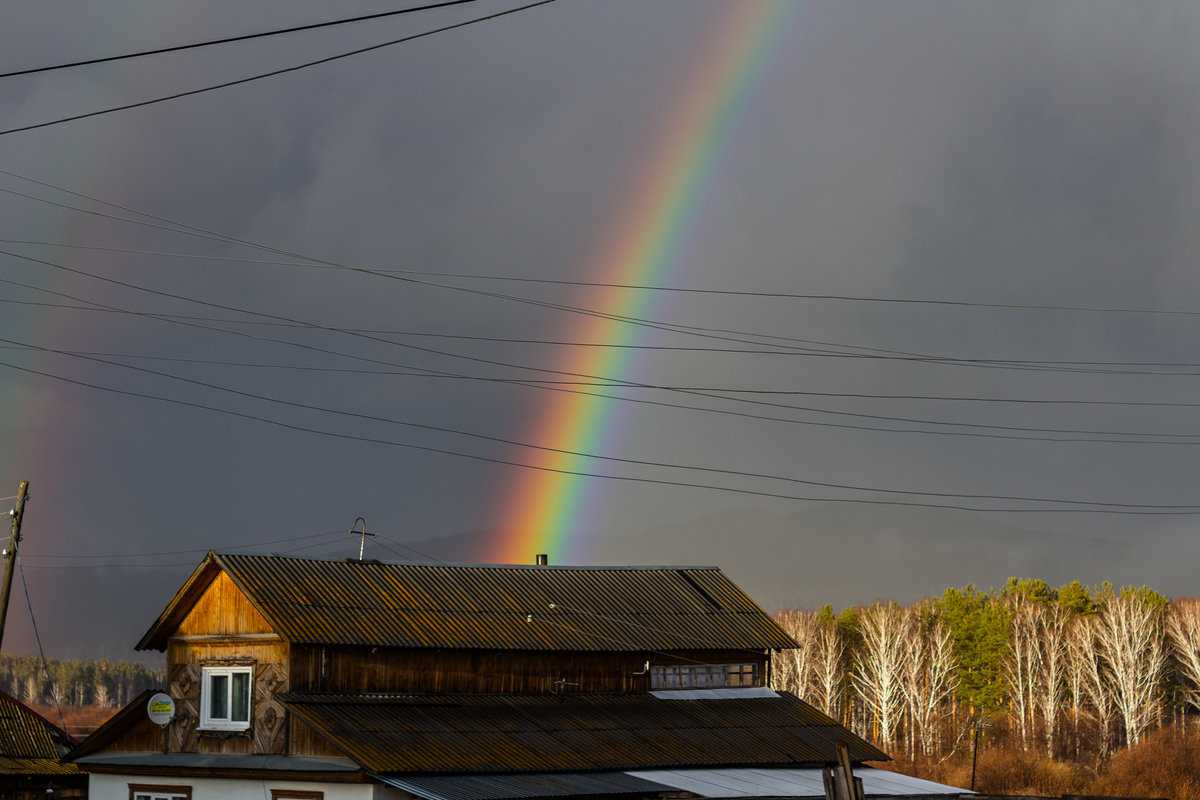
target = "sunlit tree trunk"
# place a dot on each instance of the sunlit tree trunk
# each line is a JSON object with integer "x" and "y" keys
{"x": 1052, "y": 663}
{"x": 1130, "y": 639}
{"x": 1022, "y": 662}
{"x": 827, "y": 675}
{"x": 795, "y": 674}
{"x": 1183, "y": 627}
{"x": 1082, "y": 650}
{"x": 879, "y": 667}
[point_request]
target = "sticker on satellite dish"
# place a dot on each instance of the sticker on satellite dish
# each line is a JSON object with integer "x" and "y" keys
{"x": 161, "y": 708}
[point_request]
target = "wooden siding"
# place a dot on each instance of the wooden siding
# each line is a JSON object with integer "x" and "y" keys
{"x": 365, "y": 669}
{"x": 307, "y": 742}
{"x": 223, "y": 610}
{"x": 140, "y": 736}
{"x": 267, "y": 735}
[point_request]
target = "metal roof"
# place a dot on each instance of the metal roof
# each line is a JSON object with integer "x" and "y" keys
{"x": 734, "y": 782}
{"x": 751, "y": 782}
{"x": 29, "y": 744}
{"x": 508, "y": 607}
{"x": 515, "y": 787}
{"x": 430, "y": 734}
{"x": 26, "y": 734}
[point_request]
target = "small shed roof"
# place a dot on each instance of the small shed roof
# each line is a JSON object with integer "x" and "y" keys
{"x": 508, "y": 607}
{"x": 483, "y": 734}
{"x": 30, "y": 744}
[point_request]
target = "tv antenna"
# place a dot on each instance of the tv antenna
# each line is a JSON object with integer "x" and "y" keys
{"x": 363, "y": 544}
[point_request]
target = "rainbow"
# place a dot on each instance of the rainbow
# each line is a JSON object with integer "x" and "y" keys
{"x": 645, "y": 244}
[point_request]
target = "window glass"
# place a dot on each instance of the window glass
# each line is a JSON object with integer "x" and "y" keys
{"x": 239, "y": 701}
{"x": 218, "y": 697}
{"x": 702, "y": 676}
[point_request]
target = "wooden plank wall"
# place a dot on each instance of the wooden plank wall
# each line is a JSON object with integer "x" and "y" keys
{"x": 365, "y": 669}
{"x": 268, "y": 730}
{"x": 223, "y": 609}
{"x": 224, "y": 628}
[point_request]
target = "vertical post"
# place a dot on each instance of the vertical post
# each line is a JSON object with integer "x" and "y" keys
{"x": 975, "y": 752}
{"x": 10, "y": 554}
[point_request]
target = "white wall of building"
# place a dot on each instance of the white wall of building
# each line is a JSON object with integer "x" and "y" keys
{"x": 103, "y": 786}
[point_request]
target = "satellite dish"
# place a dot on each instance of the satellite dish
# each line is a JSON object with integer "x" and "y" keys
{"x": 161, "y": 708}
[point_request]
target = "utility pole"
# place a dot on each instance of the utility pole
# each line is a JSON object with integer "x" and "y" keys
{"x": 10, "y": 553}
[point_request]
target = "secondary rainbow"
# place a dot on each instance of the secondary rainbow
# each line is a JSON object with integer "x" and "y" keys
{"x": 646, "y": 244}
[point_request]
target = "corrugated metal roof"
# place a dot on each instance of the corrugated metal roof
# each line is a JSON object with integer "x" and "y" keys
{"x": 517, "y": 787}
{"x": 509, "y": 607}
{"x": 29, "y": 744}
{"x": 733, "y": 782}
{"x": 788, "y": 782}
{"x": 523, "y": 733}
{"x": 26, "y": 734}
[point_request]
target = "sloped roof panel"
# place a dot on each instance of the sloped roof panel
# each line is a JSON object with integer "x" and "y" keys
{"x": 424, "y": 734}
{"x": 25, "y": 734}
{"x": 507, "y": 607}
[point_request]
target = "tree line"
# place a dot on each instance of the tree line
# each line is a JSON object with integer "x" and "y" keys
{"x": 1076, "y": 671}
{"x": 77, "y": 682}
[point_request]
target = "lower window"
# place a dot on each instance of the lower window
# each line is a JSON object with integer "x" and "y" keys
{"x": 150, "y": 791}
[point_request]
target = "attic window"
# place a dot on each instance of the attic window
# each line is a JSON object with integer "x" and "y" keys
{"x": 702, "y": 676}
{"x": 225, "y": 698}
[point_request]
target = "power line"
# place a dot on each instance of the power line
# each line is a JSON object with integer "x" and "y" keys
{"x": 766, "y": 294}
{"x": 705, "y": 332}
{"x": 161, "y": 553}
{"x": 270, "y": 74}
{"x": 792, "y": 352}
{"x": 230, "y": 39}
{"x": 720, "y": 334}
{"x": 1058, "y": 437}
{"x": 1101, "y": 508}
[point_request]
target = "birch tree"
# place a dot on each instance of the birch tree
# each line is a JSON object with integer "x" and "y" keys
{"x": 828, "y": 673}
{"x": 879, "y": 666}
{"x": 793, "y": 667}
{"x": 1183, "y": 626}
{"x": 1052, "y": 666}
{"x": 1021, "y": 662}
{"x": 929, "y": 676}
{"x": 1129, "y": 637}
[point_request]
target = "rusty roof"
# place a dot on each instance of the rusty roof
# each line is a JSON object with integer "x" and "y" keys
{"x": 508, "y": 607}
{"x": 425, "y": 734}
{"x": 26, "y": 734}
{"x": 30, "y": 744}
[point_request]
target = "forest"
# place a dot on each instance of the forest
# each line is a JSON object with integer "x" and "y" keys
{"x": 1066, "y": 690}
{"x": 102, "y": 683}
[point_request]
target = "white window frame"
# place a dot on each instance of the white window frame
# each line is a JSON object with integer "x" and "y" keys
{"x": 145, "y": 791}
{"x": 226, "y": 723}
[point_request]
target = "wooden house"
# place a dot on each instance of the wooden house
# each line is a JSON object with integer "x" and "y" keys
{"x": 299, "y": 679}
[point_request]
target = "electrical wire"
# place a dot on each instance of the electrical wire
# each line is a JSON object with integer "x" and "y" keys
{"x": 230, "y": 39}
{"x": 782, "y": 295}
{"x": 611, "y": 459}
{"x": 632, "y": 384}
{"x": 1164, "y": 510}
{"x": 38, "y": 637}
{"x": 273, "y": 73}
{"x": 161, "y": 553}
{"x": 720, "y": 334}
